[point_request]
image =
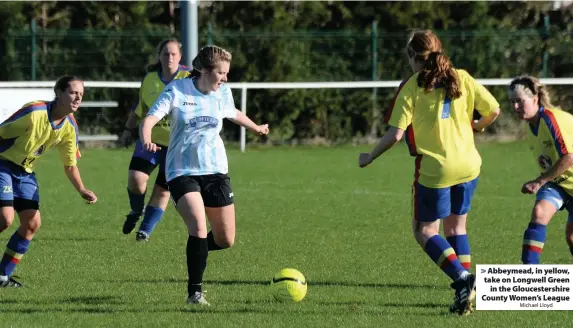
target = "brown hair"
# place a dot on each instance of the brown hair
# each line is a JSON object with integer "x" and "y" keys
{"x": 208, "y": 57}
{"x": 532, "y": 86}
{"x": 64, "y": 82}
{"x": 424, "y": 45}
{"x": 156, "y": 66}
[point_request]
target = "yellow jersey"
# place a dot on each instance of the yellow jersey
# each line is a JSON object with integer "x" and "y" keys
{"x": 151, "y": 87}
{"x": 439, "y": 131}
{"x": 30, "y": 132}
{"x": 551, "y": 139}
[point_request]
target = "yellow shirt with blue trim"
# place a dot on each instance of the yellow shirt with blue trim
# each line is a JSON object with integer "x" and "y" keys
{"x": 438, "y": 129}
{"x": 30, "y": 132}
{"x": 551, "y": 139}
{"x": 151, "y": 87}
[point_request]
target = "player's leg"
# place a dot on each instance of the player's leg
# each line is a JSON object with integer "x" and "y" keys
{"x": 157, "y": 203}
{"x": 429, "y": 206}
{"x": 455, "y": 224}
{"x": 26, "y": 203}
{"x": 6, "y": 197}
{"x": 220, "y": 208}
{"x": 140, "y": 168}
{"x": 569, "y": 233}
{"x": 549, "y": 199}
{"x": 185, "y": 192}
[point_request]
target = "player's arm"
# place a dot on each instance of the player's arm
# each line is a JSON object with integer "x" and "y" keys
{"x": 238, "y": 117}
{"x": 159, "y": 110}
{"x": 486, "y": 105}
{"x": 243, "y": 120}
{"x": 69, "y": 153}
{"x": 399, "y": 118}
{"x": 17, "y": 127}
{"x": 563, "y": 143}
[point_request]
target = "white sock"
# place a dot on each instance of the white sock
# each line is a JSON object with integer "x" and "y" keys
{"x": 3, "y": 278}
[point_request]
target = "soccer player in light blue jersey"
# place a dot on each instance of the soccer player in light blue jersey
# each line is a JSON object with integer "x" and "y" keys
{"x": 197, "y": 168}
{"x": 25, "y": 137}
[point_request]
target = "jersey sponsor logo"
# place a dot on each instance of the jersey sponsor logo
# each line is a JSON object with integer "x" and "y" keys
{"x": 544, "y": 162}
{"x": 547, "y": 143}
{"x": 186, "y": 103}
{"x": 202, "y": 122}
{"x": 40, "y": 150}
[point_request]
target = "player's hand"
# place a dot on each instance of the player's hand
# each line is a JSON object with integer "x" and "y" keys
{"x": 474, "y": 125}
{"x": 126, "y": 138}
{"x": 531, "y": 187}
{"x": 263, "y": 129}
{"x": 151, "y": 147}
{"x": 88, "y": 195}
{"x": 364, "y": 159}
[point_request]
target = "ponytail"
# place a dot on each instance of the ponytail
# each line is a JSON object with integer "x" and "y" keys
{"x": 439, "y": 72}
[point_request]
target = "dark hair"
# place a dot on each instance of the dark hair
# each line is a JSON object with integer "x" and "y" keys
{"x": 208, "y": 57}
{"x": 424, "y": 45}
{"x": 534, "y": 86}
{"x": 156, "y": 66}
{"x": 64, "y": 82}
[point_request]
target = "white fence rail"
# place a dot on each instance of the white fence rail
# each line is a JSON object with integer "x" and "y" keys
{"x": 265, "y": 85}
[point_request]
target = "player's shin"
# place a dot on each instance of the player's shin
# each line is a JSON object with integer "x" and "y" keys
{"x": 196, "y": 263}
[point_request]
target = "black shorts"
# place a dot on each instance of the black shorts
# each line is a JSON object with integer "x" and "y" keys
{"x": 214, "y": 188}
{"x": 146, "y": 162}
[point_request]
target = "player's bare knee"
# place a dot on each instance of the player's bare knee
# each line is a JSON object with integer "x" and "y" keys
{"x": 540, "y": 215}
{"x": 225, "y": 241}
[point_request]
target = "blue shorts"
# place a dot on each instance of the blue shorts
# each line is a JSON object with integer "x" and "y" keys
{"x": 19, "y": 188}
{"x": 145, "y": 161}
{"x": 431, "y": 204}
{"x": 554, "y": 194}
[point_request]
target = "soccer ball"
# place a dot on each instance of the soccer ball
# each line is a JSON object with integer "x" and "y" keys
{"x": 289, "y": 285}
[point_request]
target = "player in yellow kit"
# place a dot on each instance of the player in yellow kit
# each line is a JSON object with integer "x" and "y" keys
{"x": 550, "y": 136}
{"x": 24, "y": 137}
{"x": 434, "y": 108}
{"x": 142, "y": 163}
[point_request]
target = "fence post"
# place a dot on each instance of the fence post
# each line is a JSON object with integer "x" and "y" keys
{"x": 33, "y": 49}
{"x": 209, "y": 34}
{"x": 244, "y": 110}
{"x": 374, "y": 56}
{"x": 546, "y": 39}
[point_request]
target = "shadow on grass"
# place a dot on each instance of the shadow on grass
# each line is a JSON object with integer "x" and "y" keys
{"x": 267, "y": 282}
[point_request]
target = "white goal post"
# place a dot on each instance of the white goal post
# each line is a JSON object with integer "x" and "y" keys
{"x": 263, "y": 85}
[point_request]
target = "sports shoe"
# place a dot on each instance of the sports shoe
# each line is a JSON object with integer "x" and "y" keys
{"x": 10, "y": 283}
{"x": 141, "y": 236}
{"x": 464, "y": 296}
{"x": 130, "y": 222}
{"x": 197, "y": 298}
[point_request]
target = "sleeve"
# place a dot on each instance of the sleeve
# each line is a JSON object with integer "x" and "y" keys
{"x": 484, "y": 102}
{"x": 558, "y": 127}
{"x": 69, "y": 149}
{"x": 139, "y": 109}
{"x": 402, "y": 108}
{"x": 15, "y": 126}
{"x": 229, "y": 109}
{"x": 163, "y": 104}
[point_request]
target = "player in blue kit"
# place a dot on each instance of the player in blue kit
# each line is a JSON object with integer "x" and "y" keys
{"x": 25, "y": 137}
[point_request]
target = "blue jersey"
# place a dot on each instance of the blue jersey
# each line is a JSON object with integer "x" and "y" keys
{"x": 196, "y": 119}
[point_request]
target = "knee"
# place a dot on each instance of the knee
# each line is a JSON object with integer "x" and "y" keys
{"x": 30, "y": 224}
{"x": 6, "y": 221}
{"x": 539, "y": 215}
{"x": 226, "y": 242}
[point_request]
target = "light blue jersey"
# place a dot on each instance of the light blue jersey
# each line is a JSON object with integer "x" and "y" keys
{"x": 196, "y": 119}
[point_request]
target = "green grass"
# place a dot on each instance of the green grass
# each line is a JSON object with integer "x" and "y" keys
{"x": 346, "y": 229}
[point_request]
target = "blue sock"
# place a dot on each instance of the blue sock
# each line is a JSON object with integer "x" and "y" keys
{"x": 444, "y": 256}
{"x": 461, "y": 245}
{"x": 16, "y": 248}
{"x": 533, "y": 241}
{"x": 152, "y": 216}
{"x": 136, "y": 201}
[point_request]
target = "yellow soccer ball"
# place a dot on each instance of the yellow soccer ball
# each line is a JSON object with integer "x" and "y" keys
{"x": 289, "y": 285}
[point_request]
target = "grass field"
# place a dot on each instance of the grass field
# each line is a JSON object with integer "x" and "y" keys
{"x": 346, "y": 229}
